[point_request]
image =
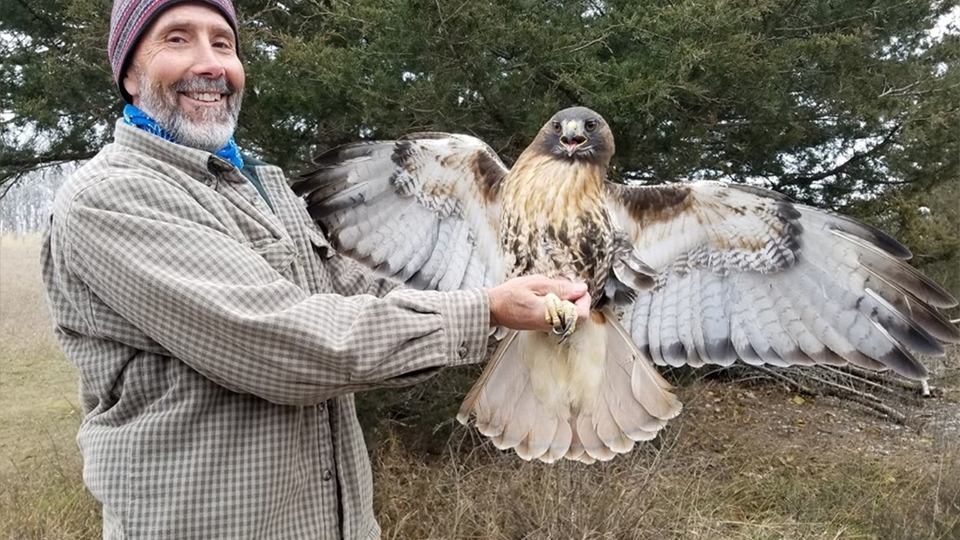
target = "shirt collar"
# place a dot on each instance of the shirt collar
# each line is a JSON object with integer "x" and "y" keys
{"x": 134, "y": 116}
{"x": 197, "y": 163}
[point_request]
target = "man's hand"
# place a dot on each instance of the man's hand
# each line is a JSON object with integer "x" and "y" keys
{"x": 520, "y": 303}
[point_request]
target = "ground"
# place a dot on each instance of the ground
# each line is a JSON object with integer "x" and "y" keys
{"x": 747, "y": 459}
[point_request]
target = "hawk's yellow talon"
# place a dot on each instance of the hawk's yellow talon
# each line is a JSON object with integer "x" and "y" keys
{"x": 562, "y": 315}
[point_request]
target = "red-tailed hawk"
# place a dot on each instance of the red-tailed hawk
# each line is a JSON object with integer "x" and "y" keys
{"x": 697, "y": 273}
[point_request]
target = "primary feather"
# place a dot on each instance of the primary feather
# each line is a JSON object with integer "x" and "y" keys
{"x": 698, "y": 273}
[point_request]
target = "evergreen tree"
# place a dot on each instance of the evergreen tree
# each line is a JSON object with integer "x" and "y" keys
{"x": 848, "y": 104}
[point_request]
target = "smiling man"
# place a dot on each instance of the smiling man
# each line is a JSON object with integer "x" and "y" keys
{"x": 218, "y": 337}
{"x": 193, "y": 91}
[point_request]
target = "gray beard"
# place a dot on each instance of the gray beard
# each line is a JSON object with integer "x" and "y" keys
{"x": 208, "y": 129}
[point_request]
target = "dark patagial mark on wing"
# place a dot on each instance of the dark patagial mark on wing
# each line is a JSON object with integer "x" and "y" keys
{"x": 489, "y": 172}
{"x": 656, "y": 204}
{"x": 780, "y": 321}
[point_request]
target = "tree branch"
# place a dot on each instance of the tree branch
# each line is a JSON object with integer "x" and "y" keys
{"x": 46, "y": 22}
{"x": 830, "y": 388}
{"x": 467, "y": 70}
{"x": 21, "y": 167}
{"x": 799, "y": 180}
{"x": 39, "y": 161}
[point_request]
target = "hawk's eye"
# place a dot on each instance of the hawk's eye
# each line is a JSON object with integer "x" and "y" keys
{"x": 556, "y": 127}
{"x": 591, "y": 125}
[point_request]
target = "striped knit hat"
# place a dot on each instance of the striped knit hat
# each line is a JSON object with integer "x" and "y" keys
{"x": 131, "y": 18}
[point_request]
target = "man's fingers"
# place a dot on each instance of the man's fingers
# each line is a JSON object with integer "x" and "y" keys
{"x": 583, "y": 306}
{"x": 565, "y": 289}
{"x": 519, "y": 302}
{"x": 569, "y": 290}
{"x": 541, "y": 285}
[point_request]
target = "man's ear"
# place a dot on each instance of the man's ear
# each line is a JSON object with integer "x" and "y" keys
{"x": 131, "y": 83}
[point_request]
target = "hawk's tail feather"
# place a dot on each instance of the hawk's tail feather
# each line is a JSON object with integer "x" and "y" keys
{"x": 485, "y": 422}
{"x": 534, "y": 413}
{"x": 650, "y": 389}
{"x": 576, "y": 451}
{"x": 562, "y": 442}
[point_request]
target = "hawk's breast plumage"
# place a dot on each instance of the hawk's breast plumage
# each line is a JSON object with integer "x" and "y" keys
{"x": 697, "y": 273}
{"x": 555, "y": 221}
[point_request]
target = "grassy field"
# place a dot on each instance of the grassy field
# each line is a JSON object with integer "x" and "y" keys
{"x": 41, "y": 491}
{"x": 748, "y": 459}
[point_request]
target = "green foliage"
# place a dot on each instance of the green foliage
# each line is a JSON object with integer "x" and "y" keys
{"x": 830, "y": 102}
{"x": 55, "y": 85}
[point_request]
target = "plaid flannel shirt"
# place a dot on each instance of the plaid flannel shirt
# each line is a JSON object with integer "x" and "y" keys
{"x": 218, "y": 344}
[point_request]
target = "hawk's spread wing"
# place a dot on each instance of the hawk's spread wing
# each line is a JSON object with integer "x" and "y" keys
{"x": 424, "y": 209}
{"x": 743, "y": 272}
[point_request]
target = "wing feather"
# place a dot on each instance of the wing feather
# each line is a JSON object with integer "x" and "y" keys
{"x": 635, "y": 317}
{"x": 424, "y": 209}
{"x": 741, "y": 271}
{"x": 699, "y": 347}
{"x": 668, "y": 347}
{"x": 716, "y": 329}
{"x": 763, "y": 329}
{"x": 746, "y": 349}
{"x": 687, "y": 348}
{"x": 653, "y": 326}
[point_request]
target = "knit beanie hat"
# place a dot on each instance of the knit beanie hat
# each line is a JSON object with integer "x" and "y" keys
{"x": 131, "y": 18}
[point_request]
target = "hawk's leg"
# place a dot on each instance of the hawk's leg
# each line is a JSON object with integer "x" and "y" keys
{"x": 562, "y": 314}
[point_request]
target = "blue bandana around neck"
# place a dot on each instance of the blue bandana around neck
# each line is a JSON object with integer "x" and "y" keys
{"x": 135, "y": 117}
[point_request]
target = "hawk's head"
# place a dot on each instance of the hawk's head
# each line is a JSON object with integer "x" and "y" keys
{"x": 577, "y": 134}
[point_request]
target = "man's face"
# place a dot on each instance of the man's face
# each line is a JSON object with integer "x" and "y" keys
{"x": 185, "y": 73}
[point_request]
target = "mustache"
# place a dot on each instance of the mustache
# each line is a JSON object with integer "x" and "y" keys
{"x": 220, "y": 85}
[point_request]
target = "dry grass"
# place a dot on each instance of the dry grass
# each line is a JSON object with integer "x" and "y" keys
{"x": 38, "y": 386}
{"x": 743, "y": 462}
{"x": 41, "y": 492}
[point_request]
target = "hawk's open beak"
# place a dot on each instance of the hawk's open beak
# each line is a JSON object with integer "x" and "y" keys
{"x": 573, "y": 137}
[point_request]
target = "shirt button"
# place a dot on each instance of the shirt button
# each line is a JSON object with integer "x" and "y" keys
{"x": 327, "y": 475}
{"x": 463, "y": 351}
{"x": 322, "y": 406}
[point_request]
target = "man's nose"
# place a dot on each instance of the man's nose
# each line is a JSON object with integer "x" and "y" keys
{"x": 207, "y": 61}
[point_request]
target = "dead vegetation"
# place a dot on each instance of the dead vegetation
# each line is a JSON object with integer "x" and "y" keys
{"x": 746, "y": 460}
{"x": 41, "y": 490}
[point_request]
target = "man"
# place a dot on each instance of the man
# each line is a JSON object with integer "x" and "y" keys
{"x": 217, "y": 335}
